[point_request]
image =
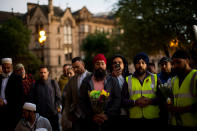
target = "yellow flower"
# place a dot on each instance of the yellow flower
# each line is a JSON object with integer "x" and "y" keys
{"x": 105, "y": 93}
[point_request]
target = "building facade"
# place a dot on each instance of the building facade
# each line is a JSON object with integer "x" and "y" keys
{"x": 65, "y": 31}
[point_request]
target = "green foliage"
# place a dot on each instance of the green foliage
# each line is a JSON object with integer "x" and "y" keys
{"x": 14, "y": 41}
{"x": 150, "y": 25}
{"x": 97, "y": 43}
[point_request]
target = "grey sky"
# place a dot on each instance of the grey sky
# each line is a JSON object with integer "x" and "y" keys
{"x": 94, "y": 6}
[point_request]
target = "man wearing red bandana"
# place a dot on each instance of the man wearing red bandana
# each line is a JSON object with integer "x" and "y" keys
{"x": 99, "y": 80}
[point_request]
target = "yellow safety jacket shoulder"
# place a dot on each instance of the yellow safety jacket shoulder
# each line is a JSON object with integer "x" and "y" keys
{"x": 148, "y": 89}
{"x": 185, "y": 95}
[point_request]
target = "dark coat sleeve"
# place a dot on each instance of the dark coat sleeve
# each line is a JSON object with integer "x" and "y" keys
{"x": 113, "y": 106}
{"x": 84, "y": 101}
{"x": 32, "y": 94}
{"x": 15, "y": 99}
{"x": 67, "y": 95}
{"x": 57, "y": 94}
{"x": 126, "y": 102}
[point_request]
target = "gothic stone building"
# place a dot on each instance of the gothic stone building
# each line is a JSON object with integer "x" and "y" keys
{"x": 65, "y": 31}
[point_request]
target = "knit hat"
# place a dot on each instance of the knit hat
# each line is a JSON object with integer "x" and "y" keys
{"x": 140, "y": 56}
{"x": 29, "y": 106}
{"x": 99, "y": 57}
{"x": 6, "y": 60}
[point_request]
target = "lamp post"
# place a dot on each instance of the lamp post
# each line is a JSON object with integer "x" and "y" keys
{"x": 42, "y": 39}
{"x": 174, "y": 43}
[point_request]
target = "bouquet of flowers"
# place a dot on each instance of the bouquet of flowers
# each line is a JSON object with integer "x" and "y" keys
{"x": 98, "y": 100}
{"x": 166, "y": 91}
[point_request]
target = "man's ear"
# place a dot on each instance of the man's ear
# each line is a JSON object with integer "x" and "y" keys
{"x": 188, "y": 61}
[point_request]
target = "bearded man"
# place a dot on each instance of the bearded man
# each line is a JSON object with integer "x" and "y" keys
{"x": 183, "y": 108}
{"x": 11, "y": 96}
{"x": 140, "y": 95}
{"x": 99, "y": 80}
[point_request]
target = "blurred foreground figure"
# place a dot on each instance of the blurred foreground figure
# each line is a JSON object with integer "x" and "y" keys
{"x": 11, "y": 96}
{"x": 183, "y": 108}
{"x": 31, "y": 120}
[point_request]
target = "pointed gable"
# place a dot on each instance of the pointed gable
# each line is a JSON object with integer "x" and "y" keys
{"x": 67, "y": 17}
{"x": 38, "y": 15}
{"x": 83, "y": 13}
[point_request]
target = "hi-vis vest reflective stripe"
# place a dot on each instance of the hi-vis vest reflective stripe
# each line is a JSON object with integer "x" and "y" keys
{"x": 136, "y": 90}
{"x": 185, "y": 95}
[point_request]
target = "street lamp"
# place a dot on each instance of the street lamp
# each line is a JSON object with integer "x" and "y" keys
{"x": 174, "y": 43}
{"x": 42, "y": 39}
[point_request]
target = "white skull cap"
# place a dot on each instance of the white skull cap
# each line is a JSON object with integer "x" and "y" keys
{"x": 41, "y": 129}
{"x": 6, "y": 60}
{"x": 29, "y": 106}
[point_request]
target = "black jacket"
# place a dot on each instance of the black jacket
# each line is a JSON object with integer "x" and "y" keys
{"x": 47, "y": 97}
{"x": 11, "y": 113}
{"x": 112, "y": 108}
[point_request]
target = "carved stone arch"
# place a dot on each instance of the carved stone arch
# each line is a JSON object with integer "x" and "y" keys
{"x": 39, "y": 25}
{"x": 68, "y": 22}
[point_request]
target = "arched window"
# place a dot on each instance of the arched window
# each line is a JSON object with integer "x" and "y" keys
{"x": 68, "y": 32}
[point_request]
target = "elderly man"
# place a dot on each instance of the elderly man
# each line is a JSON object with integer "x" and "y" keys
{"x": 72, "y": 111}
{"x": 140, "y": 95}
{"x": 11, "y": 96}
{"x": 99, "y": 81}
{"x": 32, "y": 120}
{"x": 27, "y": 79}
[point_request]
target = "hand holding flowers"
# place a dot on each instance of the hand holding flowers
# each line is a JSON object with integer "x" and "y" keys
{"x": 98, "y": 101}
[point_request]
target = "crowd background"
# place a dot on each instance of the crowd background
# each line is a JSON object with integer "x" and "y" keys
{"x": 141, "y": 99}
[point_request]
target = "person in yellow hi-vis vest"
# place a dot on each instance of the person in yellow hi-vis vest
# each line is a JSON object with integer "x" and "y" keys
{"x": 183, "y": 108}
{"x": 140, "y": 95}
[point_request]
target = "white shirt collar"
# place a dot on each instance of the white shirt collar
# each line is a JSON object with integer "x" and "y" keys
{"x": 6, "y": 75}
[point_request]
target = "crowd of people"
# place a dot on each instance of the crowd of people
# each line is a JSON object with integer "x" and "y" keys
{"x": 143, "y": 99}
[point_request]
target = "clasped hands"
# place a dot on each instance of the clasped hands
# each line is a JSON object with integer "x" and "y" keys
{"x": 99, "y": 118}
{"x": 143, "y": 102}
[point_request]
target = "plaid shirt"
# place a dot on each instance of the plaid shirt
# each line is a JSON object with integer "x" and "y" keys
{"x": 28, "y": 82}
